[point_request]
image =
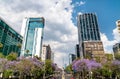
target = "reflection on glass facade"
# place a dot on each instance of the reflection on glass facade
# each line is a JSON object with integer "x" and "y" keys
{"x": 88, "y": 27}
{"x": 10, "y": 40}
{"x": 32, "y": 36}
{"x": 88, "y": 30}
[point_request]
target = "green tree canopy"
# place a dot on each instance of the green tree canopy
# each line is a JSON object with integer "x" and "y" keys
{"x": 1, "y": 55}
{"x": 109, "y": 57}
{"x": 1, "y": 45}
{"x": 48, "y": 67}
{"x": 12, "y": 56}
{"x": 68, "y": 68}
{"x": 117, "y": 56}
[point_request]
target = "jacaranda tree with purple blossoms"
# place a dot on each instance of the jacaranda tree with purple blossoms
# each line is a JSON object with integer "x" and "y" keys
{"x": 3, "y": 62}
{"x": 84, "y": 66}
{"x": 28, "y": 67}
{"x": 24, "y": 67}
{"x": 115, "y": 68}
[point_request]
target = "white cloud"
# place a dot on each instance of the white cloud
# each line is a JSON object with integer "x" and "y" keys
{"x": 59, "y": 31}
{"x": 108, "y": 44}
{"x": 80, "y": 13}
{"x": 61, "y": 58}
{"x": 116, "y": 34}
{"x": 80, "y": 3}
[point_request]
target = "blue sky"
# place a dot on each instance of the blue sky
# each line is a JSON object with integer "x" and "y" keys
{"x": 108, "y": 11}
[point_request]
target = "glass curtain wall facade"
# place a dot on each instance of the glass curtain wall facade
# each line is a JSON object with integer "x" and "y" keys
{"x": 88, "y": 30}
{"x": 116, "y": 48}
{"x": 33, "y": 35}
{"x": 87, "y": 23}
{"x": 10, "y": 40}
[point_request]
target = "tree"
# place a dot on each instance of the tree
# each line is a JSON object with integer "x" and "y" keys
{"x": 19, "y": 45}
{"x": 106, "y": 69}
{"x": 27, "y": 52}
{"x": 1, "y": 45}
{"x": 1, "y": 55}
{"x": 30, "y": 67}
{"x": 48, "y": 67}
{"x": 117, "y": 56}
{"x": 85, "y": 66}
{"x": 68, "y": 68}
{"x": 3, "y": 62}
{"x": 115, "y": 67}
{"x": 12, "y": 56}
{"x": 109, "y": 57}
{"x": 10, "y": 68}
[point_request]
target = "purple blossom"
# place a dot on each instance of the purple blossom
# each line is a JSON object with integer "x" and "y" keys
{"x": 93, "y": 65}
{"x": 20, "y": 58}
{"x": 116, "y": 62}
{"x": 54, "y": 66}
{"x": 11, "y": 65}
{"x": 2, "y": 64}
{"x": 86, "y": 65}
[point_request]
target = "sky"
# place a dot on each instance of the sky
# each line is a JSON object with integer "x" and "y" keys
{"x": 60, "y": 30}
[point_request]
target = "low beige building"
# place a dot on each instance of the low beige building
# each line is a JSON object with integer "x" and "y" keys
{"x": 93, "y": 50}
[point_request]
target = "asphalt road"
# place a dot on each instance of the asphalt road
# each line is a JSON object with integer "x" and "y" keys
{"x": 66, "y": 76}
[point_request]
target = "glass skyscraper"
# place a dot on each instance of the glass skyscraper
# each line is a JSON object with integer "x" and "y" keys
{"x": 10, "y": 40}
{"x": 88, "y": 31}
{"x": 88, "y": 27}
{"x": 32, "y": 30}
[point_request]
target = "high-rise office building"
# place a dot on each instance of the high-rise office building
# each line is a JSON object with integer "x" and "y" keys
{"x": 73, "y": 56}
{"x": 46, "y": 52}
{"x": 32, "y": 29}
{"x": 52, "y": 56}
{"x": 116, "y": 48}
{"x": 118, "y": 25}
{"x": 77, "y": 51}
{"x": 88, "y": 31}
{"x": 10, "y": 40}
{"x": 88, "y": 27}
